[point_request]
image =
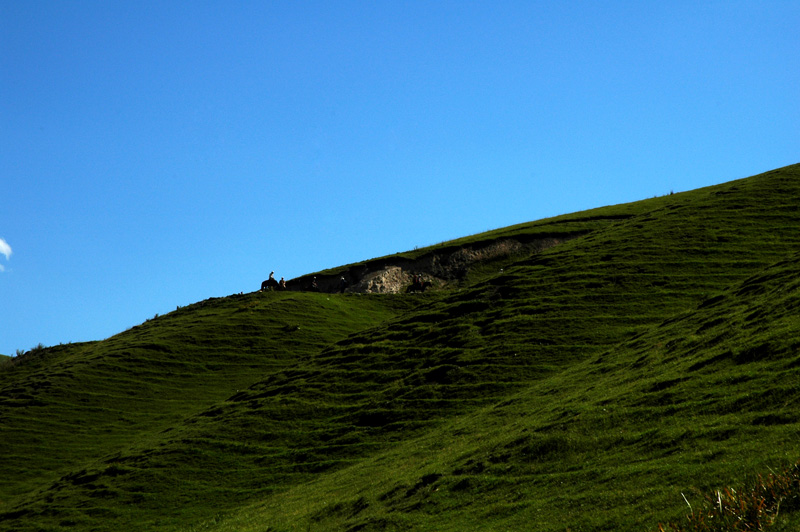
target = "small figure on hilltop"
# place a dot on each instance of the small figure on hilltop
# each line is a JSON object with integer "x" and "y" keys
{"x": 282, "y": 284}
{"x": 342, "y": 284}
{"x": 314, "y": 287}
{"x": 418, "y": 284}
{"x": 270, "y": 284}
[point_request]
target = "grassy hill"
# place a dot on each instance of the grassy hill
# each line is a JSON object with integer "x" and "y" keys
{"x": 594, "y": 385}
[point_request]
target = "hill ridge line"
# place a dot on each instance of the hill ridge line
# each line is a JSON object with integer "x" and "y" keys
{"x": 443, "y": 265}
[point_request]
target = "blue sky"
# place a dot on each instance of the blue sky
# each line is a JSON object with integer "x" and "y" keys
{"x": 155, "y": 154}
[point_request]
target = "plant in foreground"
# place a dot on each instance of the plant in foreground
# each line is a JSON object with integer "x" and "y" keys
{"x": 753, "y": 507}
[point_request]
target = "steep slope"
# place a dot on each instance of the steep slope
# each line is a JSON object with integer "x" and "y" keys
{"x": 611, "y": 443}
{"x": 530, "y": 337}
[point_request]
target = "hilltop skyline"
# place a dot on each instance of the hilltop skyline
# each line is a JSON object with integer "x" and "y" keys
{"x": 155, "y": 155}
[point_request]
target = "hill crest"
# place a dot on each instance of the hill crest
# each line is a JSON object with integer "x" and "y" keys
{"x": 588, "y": 383}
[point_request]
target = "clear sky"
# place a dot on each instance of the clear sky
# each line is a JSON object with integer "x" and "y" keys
{"x": 158, "y": 153}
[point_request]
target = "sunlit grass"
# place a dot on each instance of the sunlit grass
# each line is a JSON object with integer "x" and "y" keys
{"x": 581, "y": 387}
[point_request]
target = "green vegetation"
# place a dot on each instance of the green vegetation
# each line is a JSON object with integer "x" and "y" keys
{"x": 756, "y": 506}
{"x": 650, "y": 358}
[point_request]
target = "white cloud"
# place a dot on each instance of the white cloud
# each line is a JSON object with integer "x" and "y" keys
{"x": 5, "y": 249}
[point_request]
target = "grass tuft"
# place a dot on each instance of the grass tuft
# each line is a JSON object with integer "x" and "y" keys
{"x": 756, "y": 505}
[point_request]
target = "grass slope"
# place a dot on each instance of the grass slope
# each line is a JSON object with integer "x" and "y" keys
{"x": 586, "y": 386}
{"x": 609, "y": 443}
{"x": 61, "y": 408}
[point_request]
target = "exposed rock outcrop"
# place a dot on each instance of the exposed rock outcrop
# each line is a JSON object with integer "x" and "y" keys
{"x": 389, "y": 280}
{"x": 442, "y": 266}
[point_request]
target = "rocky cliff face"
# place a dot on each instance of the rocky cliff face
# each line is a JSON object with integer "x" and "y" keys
{"x": 389, "y": 280}
{"x": 441, "y": 266}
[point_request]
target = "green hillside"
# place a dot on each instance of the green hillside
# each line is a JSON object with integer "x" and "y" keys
{"x": 594, "y": 385}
